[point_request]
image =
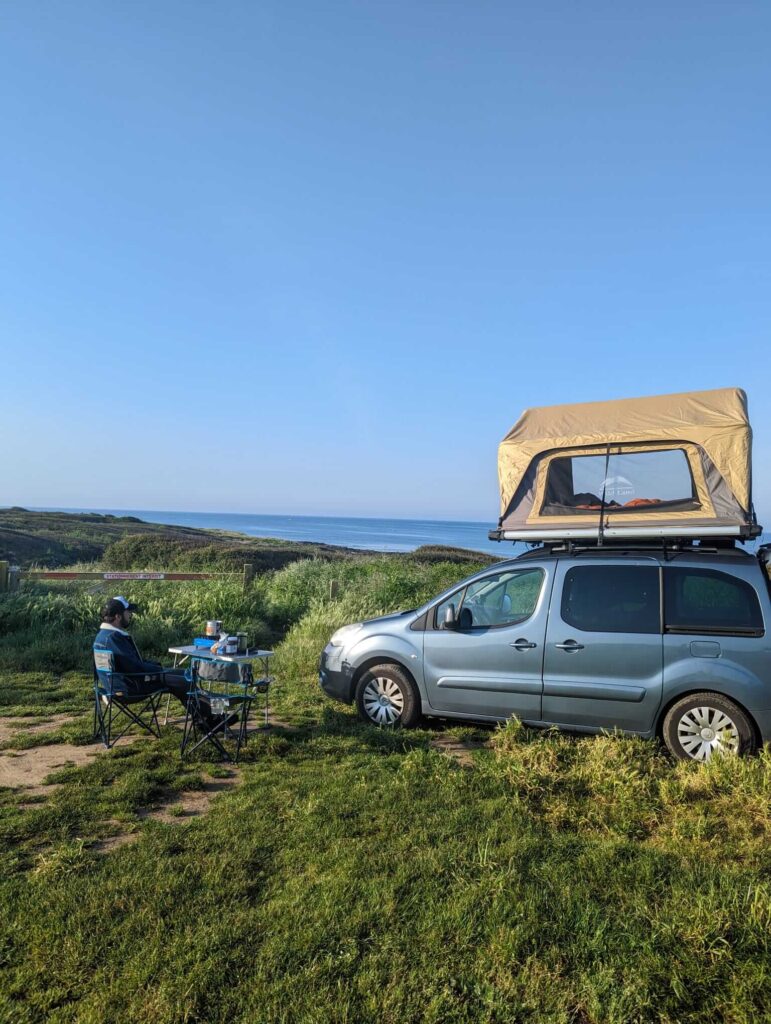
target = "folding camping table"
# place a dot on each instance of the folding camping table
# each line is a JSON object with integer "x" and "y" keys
{"x": 198, "y": 654}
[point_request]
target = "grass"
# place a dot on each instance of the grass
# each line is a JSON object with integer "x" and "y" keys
{"x": 361, "y": 875}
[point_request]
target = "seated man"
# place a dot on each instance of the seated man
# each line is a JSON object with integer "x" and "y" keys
{"x": 113, "y": 634}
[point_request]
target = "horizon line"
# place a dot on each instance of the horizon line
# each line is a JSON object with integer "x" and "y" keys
{"x": 209, "y": 512}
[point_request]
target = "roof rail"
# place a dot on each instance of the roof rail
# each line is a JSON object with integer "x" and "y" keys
{"x": 664, "y": 547}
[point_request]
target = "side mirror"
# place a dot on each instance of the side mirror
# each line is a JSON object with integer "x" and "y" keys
{"x": 450, "y": 622}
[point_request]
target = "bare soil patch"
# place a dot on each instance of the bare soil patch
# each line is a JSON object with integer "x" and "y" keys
{"x": 460, "y": 750}
{"x": 179, "y": 807}
{"x": 10, "y": 727}
{"x": 192, "y": 803}
{"x": 26, "y": 769}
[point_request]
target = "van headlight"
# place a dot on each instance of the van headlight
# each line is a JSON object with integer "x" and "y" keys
{"x": 344, "y": 634}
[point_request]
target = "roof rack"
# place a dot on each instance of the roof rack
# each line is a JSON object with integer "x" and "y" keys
{"x": 666, "y": 547}
{"x": 634, "y": 535}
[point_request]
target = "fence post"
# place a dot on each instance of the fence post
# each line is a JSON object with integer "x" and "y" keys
{"x": 3, "y": 577}
{"x": 334, "y": 587}
{"x": 248, "y": 575}
{"x": 14, "y": 575}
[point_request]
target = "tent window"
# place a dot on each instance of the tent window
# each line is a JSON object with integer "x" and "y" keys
{"x": 630, "y": 481}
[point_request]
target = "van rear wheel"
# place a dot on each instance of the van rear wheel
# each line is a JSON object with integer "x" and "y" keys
{"x": 385, "y": 696}
{"x": 703, "y": 724}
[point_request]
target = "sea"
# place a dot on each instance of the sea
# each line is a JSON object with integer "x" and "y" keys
{"x": 345, "y": 531}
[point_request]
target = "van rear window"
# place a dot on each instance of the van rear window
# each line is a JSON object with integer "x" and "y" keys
{"x": 709, "y": 601}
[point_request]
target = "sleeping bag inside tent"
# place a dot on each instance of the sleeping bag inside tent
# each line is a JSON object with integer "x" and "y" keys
{"x": 665, "y": 466}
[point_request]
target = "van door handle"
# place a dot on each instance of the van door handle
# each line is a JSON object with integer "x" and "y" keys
{"x": 570, "y": 645}
{"x": 522, "y": 645}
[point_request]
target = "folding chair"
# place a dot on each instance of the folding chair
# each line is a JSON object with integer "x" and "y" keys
{"x": 114, "y": 704}
{"x": 218, "y": 712}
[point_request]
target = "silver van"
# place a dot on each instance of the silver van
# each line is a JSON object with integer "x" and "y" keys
{"x": 647, "y": 640}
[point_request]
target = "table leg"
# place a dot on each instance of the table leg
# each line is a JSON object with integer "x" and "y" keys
{"x": 168, "y": 699}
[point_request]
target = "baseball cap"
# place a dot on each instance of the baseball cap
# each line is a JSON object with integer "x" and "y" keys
{"x": 118, "y": 605}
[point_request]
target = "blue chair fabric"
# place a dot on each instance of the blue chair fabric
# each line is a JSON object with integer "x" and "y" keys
{"x": 116, "y": 706}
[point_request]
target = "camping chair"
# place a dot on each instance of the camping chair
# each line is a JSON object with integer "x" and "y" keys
{"x": 218, "y": 712}
{"x": 114, "y": 704}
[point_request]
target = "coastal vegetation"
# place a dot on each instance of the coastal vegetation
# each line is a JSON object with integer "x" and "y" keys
{"x": 55, "y": 539}
{"x": 349, "y": 874}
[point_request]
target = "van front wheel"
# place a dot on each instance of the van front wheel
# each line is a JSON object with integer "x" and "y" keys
{"x": 704, "y": 724}
{"x": 385, "y": 696}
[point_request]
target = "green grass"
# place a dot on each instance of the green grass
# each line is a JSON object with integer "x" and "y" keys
{"x": 360, "y": 875}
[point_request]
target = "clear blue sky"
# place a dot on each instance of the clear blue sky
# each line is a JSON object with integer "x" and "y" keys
{"x": 338, "y": 247}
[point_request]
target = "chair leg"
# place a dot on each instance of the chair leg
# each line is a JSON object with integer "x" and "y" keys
{"x": 241, "y": 741}
{"x": 188, "y": 729}
{"x": 105, "y": 719}
{"x": 209, "y": 737}
{"x": 206, "y": 735}
{"x": 100, "y": 726}
{"x": 155, "y": 703}
{"x": 134, "y": 717}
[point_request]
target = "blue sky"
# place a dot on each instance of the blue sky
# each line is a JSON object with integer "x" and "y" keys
{"x": 339, "y": 247}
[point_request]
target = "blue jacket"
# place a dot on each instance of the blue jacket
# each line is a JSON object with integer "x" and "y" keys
{"x": 126, "y": 657}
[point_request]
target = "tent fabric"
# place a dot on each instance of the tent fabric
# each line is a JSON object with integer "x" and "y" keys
{"x": 712, "y": 422}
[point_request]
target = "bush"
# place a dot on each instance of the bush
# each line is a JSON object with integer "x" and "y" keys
{"x": 50, "y": 627}
{"x": 378, "y": 585}
{"x": 207, "y": 552}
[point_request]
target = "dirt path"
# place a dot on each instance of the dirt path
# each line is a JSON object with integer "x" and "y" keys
{"x": 10, "y": 727}
{"x": 26, "y": 769}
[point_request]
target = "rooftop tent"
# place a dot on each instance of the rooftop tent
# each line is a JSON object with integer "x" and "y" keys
{"x": 666, "y": 466}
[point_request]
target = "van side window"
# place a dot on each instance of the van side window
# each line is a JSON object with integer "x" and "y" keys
{"x": 708, "y": 601}
{"x": 499, "y": 600}
{"x": 612, "y": 598}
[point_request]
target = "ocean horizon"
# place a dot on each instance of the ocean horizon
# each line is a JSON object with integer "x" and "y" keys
{"x": 359, "y": 532}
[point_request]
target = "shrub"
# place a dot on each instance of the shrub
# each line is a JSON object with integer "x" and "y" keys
{"x": 50, "y": 627}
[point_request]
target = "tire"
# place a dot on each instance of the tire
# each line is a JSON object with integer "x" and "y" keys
{"x": 702, "y": 723}
{"x": 385, "y": 696}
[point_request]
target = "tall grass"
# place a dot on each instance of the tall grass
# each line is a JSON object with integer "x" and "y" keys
{"x": 50, "y": 627}
{"x": 376, "y": 585}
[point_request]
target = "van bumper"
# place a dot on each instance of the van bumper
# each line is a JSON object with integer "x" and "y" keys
{"x": 335, "y": 675}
